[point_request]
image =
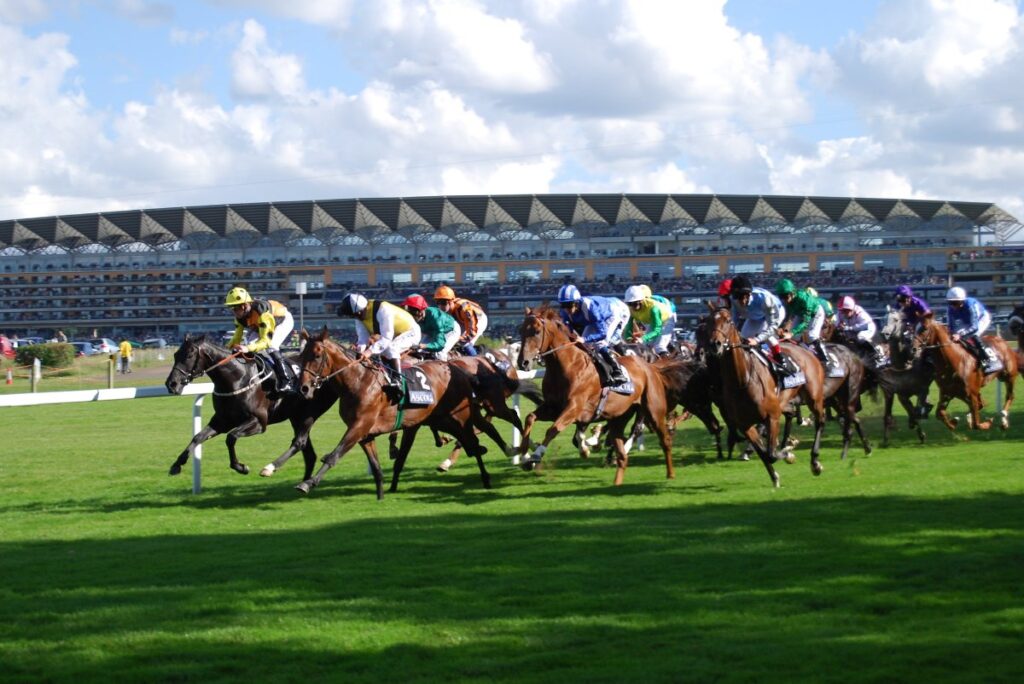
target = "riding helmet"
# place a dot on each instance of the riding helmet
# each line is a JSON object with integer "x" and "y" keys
{"x": 444, "y": 292}
{"x": 785, "y": 287}
{"x": 956, "y": 294}
{"x": 741, "y": 285}
{"x": 415, "y": 301}
{"x": 568, "y": 294}
{"x": 847, "y": 303}
{"x": 635, "y": 293}
{"x": 236, "y": 296}
{"x": 352, "y": 305}
{"x": 725, "y": 287}
{"x": 904, "y": 291}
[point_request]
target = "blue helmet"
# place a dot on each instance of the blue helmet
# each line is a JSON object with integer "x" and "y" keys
{"x": 569, "y": 293}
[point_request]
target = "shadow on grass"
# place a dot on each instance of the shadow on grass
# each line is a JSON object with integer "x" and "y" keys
{"x": 866, "y": 588}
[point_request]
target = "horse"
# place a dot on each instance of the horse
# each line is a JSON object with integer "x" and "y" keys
{"x": 241, "y": 406}
{"x": 688, "y": 384}
{"x": 959, "y": 377}
{"x": 1015, "y": 322}
{"x": 753, "y": 397}
{"x": 573, "y": 394}
{"x": 368, "y": 412}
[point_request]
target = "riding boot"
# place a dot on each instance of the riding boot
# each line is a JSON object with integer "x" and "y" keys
{"x": 973, "y": 345}
{"x": 395, "y": 376}
{"x": 283, "y": 372}
{"x": 819, "y": 351}
{"x": 616, "y": 375}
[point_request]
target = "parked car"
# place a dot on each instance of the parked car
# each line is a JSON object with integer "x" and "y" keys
{"x": 154, "y": 343}
{"x": 104, "y": 345}
{"x": 84, "y": 349}
{"x": 26, "y": 341}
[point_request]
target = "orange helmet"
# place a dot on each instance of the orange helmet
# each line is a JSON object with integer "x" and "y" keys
{"x": 444, "y": 292}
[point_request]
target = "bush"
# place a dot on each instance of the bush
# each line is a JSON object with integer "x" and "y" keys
{"x": 51, "y": 355}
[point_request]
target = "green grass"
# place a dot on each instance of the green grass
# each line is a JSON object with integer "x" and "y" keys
{"x": 902, "y": 566}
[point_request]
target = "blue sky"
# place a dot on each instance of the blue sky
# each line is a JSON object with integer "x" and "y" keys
{"x": 124, "y": 103}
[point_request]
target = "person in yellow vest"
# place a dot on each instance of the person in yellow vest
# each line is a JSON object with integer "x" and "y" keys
{"x": 126, "y": 356}
{"x": 397, "y": 330}
{"x": 262, "y": 324}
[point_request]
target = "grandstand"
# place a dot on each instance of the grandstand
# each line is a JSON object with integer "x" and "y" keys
{"x": 165, "y": 271}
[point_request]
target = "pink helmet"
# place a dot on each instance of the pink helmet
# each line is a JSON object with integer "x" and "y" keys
{"x": 847, "y": 303}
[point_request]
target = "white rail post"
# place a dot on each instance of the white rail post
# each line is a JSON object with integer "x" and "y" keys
{"x": 197, "y": 455}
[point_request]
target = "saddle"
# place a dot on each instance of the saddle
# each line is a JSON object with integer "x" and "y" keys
{"x": 265, "y": 369}
{"x": 986, "y": 356}
{"x": 416, "y": 387}
{"x": 787, "y": 374}
{"x": 604, "y": 374}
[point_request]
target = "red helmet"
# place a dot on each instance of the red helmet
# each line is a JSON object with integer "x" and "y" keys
{"x": 415, "y": 301}
{"x": 725, "y": 287}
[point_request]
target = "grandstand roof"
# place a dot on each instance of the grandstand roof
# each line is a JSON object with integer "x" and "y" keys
{"x": 506, "y": 217}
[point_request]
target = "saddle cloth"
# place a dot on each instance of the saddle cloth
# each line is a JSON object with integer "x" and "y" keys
{"x": 994, "y": 363}
{"x": 623, "y": 387}
{"x": 501, "y": 365}
{"x": 418, "y": 391}
{"x": 834, "y": 370}
{"x": 787, "y": 381}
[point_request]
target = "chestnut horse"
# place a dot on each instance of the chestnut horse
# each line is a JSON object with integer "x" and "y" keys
{"x": 368, "y": 412}
{"x": 240, "y": 405}
{"x": 572, "y": 391}
{"x": 754, "y": 399}
{"x": 958, "y": 375}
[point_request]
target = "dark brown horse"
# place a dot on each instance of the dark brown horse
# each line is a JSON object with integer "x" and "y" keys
{"x": 959, "y": 377}
{"x": 368, "y": 412}
{"x": 754, "y": 398}
{"x": 573, "y": 394}
{"x": 241, "y": 406}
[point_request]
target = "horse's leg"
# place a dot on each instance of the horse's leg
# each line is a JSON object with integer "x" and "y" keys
{"x": 913, "y": 422}
{"x": 887, "y": 420}
{"x": 308, "y": 458}
{"x": 566, "y": 418}
{"x": 664, "y": 435}
{"x": 462, "y": 429}
{"x": 975, "y": 403}
{"x": 393, "y": 445}
{"x": 369, "y": 446}
{"x": 204, "y": 434}
{"x": 753, "y": 434}
{"x": 408, "y": 437}
{"x": 301, "y": 428}
{"x": 784, "y": 446}
{"x": 353, "y": 435}
{"x": 1004, "y": 413}
{"x": 246, "y": 429}
{"x": 615, "y": 431}
{"x": 524, "y": 446}
{"x": 940, "y": 410}
{"x": 819, "y": 428}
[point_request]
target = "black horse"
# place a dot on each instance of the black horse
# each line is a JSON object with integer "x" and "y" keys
{"x": 242, "y": 405}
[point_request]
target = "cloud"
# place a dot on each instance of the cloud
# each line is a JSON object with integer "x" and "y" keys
{"x": 23, "y": 11}
{"x": 259, "y": 72}
{"x": 144, "y": 12}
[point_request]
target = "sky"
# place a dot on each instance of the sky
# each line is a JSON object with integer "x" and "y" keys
{"x": 126, "y": 104}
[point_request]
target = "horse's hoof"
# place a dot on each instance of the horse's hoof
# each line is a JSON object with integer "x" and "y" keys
{"x": 241, "y": 469}
{"x": 789, "y": 458}
{"x": 444, "y": 465}
{"x": 175, "y": 470}
{"x": 303, "y": 487}
{"x": 268, "y": 470}
{"x": 816, "y": 468}
{"x": 744, "y": 457}
{"x": 529, "y": 465}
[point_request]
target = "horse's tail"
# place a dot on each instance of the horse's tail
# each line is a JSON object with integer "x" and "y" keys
{"x": 529, "y": 389}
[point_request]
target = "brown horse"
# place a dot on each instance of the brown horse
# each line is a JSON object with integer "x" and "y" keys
{"x": 754, "y": 398}
{"x": 368, "y": 412}
{"x": 958, "y": 375}
{"x": 573, "y": 394}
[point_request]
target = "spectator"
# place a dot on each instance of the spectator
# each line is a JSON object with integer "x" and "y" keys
{"x": 126, "y": 356}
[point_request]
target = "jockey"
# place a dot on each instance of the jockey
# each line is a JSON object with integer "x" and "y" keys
{"x": 806, "y": 313}
{"x": 967, "y": 319}
{"x": 440, "y": 330}
{"x": 600, "y": 321}
{"x": 758, "y": 314}
{"x": 857, "y": 326}
{"x": 830, "y": 312}
{"x": 262, "y": 324}
{"x": 913, "y": 308}
{"x": 655, "y": 313}
{"x": 468, "y": 314}
{"x": 397, "y": 329}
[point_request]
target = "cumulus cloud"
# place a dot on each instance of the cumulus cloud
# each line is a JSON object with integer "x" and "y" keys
{"x": 260, "y": 72}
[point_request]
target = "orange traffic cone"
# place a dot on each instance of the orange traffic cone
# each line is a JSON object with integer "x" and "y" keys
{"x": 10, "y": 377}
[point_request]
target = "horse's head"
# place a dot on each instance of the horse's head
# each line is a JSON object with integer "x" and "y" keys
{"x": 532, "y": 338}
{"x": 318, "y": 359}
{"x": 1016, "y": 321}
{"x": 719, "y": 333}
{"x": 188, "y": 364}
{"x": 929, "y": 331}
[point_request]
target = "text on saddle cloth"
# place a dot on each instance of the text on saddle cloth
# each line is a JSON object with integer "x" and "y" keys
{"x": 417, "y": 387}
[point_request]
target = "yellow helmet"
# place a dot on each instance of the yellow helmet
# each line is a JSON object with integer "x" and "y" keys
{"x": 237, "y": 295}
{"x": 444, "y": 292}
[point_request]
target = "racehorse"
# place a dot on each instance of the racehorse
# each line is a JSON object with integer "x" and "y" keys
{"x": 688, "y": 384}
{"x": 367, "y": 411}
{"x": 753, "y": 397}
{"x": 241, "y": 405}
{"x": 573, "y": 394}
{"x": 959, "y": 377}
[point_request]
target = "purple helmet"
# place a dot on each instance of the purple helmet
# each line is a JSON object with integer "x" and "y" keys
{"x": 904, "y": 291}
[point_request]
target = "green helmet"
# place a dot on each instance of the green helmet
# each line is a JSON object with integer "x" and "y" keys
{"x": 785, "y": 287}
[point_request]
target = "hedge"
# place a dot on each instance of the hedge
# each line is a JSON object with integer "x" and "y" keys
{"x": 50, "y": 354}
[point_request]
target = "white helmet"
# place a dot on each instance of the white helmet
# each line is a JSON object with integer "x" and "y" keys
{"x": 352, "y": 305}
{"x": 847, "y": 303}
{"x": 635, "y": 293}
{"x": 956, "y": 294}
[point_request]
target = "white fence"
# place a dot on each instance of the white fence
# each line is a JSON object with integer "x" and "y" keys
{"x": 198, "y": 390}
